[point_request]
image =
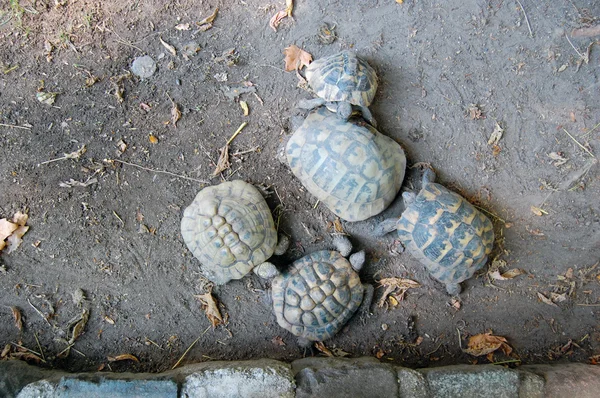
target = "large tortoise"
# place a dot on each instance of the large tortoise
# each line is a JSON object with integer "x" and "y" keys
{"x": 342, "y": 80}
{"x": 230, "y": 229}
{"x": 444, "y": 232}
{"x": 315, "y": 297}
{"x": 349, "y": 166}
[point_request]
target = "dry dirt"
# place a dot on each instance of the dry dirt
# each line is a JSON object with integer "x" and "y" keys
{"x": 448, "y": 74}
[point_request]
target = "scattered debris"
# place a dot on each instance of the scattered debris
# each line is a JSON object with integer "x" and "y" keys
{"x": 143, "y": 67}
{"x": 395, "y": 288}
{"x": 221, "y": 77}
{"x": 486, "y": 343}
{"x": 278, "y": 340}
{"x": 475, "y": 113}
{"x": 207, "y": 22}
{"x": 235, "y": 91}
{"x": 46, "y": 97}
{"x": 538, "y": 211}
{"x": 296, "y": 58}
{"x": 18, "y": 319}
{"x": 558, "y": 158}
{"x": 496, "y": 135}
{"x": 123, "y": 357}
{"x": 73, "y": 183}
{"x": 209, "y": 305}
{"x": 153, "y": 139}
{"x": 229, "y": 57}
{"x": 327, "y": 34}
{"x": 546, "y": 300}
{"x": 190, "y": 49}
{"x": 168, "y": 46}
{"x": 73, "y": 155}
{"x": 223, "y": 162}
{"x": 175, "y": 112}
{"x": 78, "y": 297}
{"x": 182, "y": 26}
{"x": 495, "y": 273}
{"x": 79, "y": 325}
{"x": 321, "y": 347}
{"x": 245, "y": 108}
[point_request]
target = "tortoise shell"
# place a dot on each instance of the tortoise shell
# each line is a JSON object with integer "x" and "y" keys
{"x": 230, "y": 229}
{"x": 317, "y": 295}
{"x": 446, "y": 233}
{"x": 343, "y": 77}
{"x": 352, "y": 168}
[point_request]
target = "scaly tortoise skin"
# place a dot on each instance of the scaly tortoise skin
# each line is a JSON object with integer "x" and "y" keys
{"x": 343, "y": 77}
{"x": 445, "y": 233}
{"x": 230, "y": 229}
{"x": 317, "y": 296}
{"x": 351, "y": 168}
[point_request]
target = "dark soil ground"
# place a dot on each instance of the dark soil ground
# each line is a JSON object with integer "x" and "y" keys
{"x": 449, "y": 72}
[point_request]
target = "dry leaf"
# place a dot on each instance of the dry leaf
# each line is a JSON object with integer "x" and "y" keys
{"x": 175, "y": 114}
{"x": 183, "y": 26}
{"x": 152, "y": 138}
{"x": 18, "y": 320}
{"x": 475, "y": 112}
{"x": 337, "y": 225}
{"x": 276, "y": 19}
{"x": 512, "y": 273}
{"x": 398, "y": 286}
{"x": 26, "y": 356}
{"x": 20, "y": 218}
{"x": 15, "y": 240}
{"x": 79, "y": 326}
{"x": 399, "y": 1}
{"x": 109, "y": 319}
{"x": 73, "y": 183}
{"x": 209, "y": 305}
{"x": 321, "y": 347}
{"x": 558, "y": 158}
{"x": 546, "y": 300}
{"x": 245, "y": 108}
{"x": 45, "y": 97}
{"x": 6, "y": 228}
{"x": 496, "y": 135}
{"x": 208, "y": 20}
{"x": 419, "y": 340}
{"x": 296, "y": 58}
{"x": 223, "y": 162}
{"x": 455, "y": 303}
{"x": 558, "y": 298}
{"x": 379, "y": 354}
{"x": 486, "y": 343}
{"x": 123, "y": 357}
{"x": 169, "y": 47}
{"x": 538, "y": 211}
{"x": 7, "y": 349}
{"x": 277, "y": 340}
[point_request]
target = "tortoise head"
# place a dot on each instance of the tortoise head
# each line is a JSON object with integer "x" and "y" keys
{"x": 266, "y": 270}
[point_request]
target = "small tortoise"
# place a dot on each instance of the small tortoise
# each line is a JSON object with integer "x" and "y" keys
{"x": 444, "y": 232}
{"x": 319, "y": 293}
{"x": 230, "y": 229}
{"x": 341, "y": 81}
{"x": 352, "y": 168}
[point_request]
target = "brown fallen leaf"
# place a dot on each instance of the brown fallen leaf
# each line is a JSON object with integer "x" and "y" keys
{"x": 7, "y": 349}
{"x": 397, "y": 286}
{"x": 475, "y": 112}
{"x": 558, "y": 298}
{"x": 276, "y": 19}
{"x": 208, "y": 20}
{"x": 169, "y": 47}
{"x": 223, "y": 162}
{"x": 486, "y": 343}
{"x": 20, "y": 218}
{"x": 18, "y": 320}
{"x": 6, "y": 228}
{"x": 510, "y": 274}
{"x": 153, "y": 139}
{"x": 337, "y": 225}
{"x": 175, "y": 114}
{"x": 245, "y": 108}
{"x": 123, "y": 357}
{"x": 546, "y": 300}
{"x": 296, "y": 58}
{"x": 496, "y": 135}
{"x": 209, "y": 305}
{"x": 79, "y": 327}
{"x": 321, "y": 347}
{"x": 27, "y": 356}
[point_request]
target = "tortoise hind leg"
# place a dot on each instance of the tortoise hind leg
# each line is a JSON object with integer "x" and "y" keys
{"x": 368, "y": 116}
{"x": 310, "y": 104}
{"x": 385, "y": 227}
{"x": 453, "y": 289}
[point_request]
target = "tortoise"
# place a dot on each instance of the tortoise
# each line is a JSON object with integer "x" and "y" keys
{"x": 350, "y": 167}
{"x": 342, "y": 80}
{"x": 444, "y": 232}
{"x": 315, "y": 297}
{"x": 230, "y": 229}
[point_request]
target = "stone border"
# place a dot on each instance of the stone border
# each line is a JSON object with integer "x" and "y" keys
{"x": 308, "y": 377}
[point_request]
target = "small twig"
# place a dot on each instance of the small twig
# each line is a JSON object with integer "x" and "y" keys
{"x": 507, "y": 361}
{"x": 68, "y": 347}
{"x": 588, "y": 305}
{"x": 239, "y": 130}
{"x": 590, "y": 132}
{"x": 119, "y": 218}
{"x": 490, "y": 213}
{"x": 239, "y": 153}
{"x": 152, "y": 342}
{"x": 459, "y": 339}
{"x": 577, "y": 142}
{"x": 157, "y": 171}
{"x": 25, "y": 348}
{"x": 526, "y": 19}
{"x": 39, "y": 312}
{"x": 15, "y": 127}
{"x": 39, "y": 345}
{"x": 73, "y": 155}
{"x": 574, "y": 48}
{"x": 189, "y": 348}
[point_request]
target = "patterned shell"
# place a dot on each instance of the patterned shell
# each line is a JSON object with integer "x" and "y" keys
{"x": 446, "y": 233}
{"x": 343, "y": 77}
{"x": 230, "y": 229}
{"x": 317, "y": 295}
{"x": 354, "y": 170}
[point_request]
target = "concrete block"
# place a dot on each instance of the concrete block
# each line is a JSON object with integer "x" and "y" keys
{"x": 340, "y": 377}
{"x": 264, "y": 378}
{"x": 568, "y": 380}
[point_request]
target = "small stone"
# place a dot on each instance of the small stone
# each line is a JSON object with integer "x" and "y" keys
{"x": 178, "y": 82}
{"x": 384, "y": 326}
{"x": 143, "y": 67}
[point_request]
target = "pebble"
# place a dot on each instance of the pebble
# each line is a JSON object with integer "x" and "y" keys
{"x": 143, "y": 67}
